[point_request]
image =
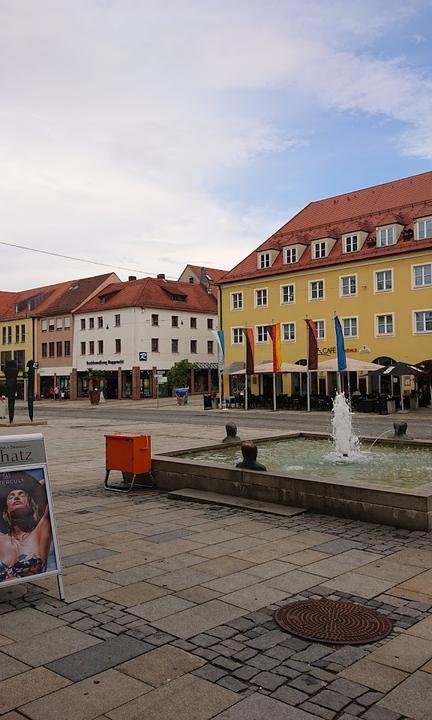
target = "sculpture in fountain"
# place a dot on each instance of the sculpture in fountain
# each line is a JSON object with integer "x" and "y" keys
{"x": 250, "y": 452}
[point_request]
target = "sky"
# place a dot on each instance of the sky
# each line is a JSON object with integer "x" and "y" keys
{"x": 149, "y": 135}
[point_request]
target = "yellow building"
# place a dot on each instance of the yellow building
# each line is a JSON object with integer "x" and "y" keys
{"x": 366, "y": 256}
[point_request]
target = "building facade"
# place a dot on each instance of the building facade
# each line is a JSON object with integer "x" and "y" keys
{"x": 134, "y": 332}
{"x": 366, "y": 256}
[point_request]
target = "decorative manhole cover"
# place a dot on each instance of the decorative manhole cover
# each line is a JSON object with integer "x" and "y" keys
{"x": 333, "y": 621}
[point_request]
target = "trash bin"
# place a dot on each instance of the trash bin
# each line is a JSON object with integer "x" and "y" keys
{"x": 391, "y": 406}
{"x": 214, "y": 403}
{"x": 207, "y": 401}
{"x": 130, "y": 454}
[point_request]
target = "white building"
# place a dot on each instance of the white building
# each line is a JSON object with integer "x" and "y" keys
{"x": 138, "y": 329}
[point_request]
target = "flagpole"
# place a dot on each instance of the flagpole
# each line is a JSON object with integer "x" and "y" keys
{"x": 308, "y": 390}
{"x": 274, "y": 391}
{"x": 246, "y": 393}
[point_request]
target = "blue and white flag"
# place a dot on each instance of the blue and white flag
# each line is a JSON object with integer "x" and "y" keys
{"x": 340, "y": 346}
{"x": 219, "y": 335}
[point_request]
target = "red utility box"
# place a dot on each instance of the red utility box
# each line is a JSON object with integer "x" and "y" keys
{"x": 130, "y": 454}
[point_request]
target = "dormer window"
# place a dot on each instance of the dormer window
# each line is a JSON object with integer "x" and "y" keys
{"x": 290, "y": 255}
{"x": 319, "y": 250}
{"x": 386, "y": 236}
{"x": 350, "y": 243}
{"x": 264, "y": 260}
{"x": 424, "y": 228}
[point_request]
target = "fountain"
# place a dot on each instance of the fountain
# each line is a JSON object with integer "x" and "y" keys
{"x": 346, "y": 443}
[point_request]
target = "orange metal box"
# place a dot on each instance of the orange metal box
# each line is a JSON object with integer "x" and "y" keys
{"x": 128, "y": 453}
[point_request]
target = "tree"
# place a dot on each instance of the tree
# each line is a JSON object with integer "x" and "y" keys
{"x": 179, "y": 374}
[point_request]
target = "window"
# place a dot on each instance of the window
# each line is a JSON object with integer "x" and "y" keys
{"x": 193, "y": 346}
{"x": 261, "y": 334}
{"x": 383, "y": 280}
{"x": 320, "y": 327}
{"x": 67, "y": 348}
{"x": 59, "y": 349}
{"x": 348, "y": 285}
{"x": 288, "y": 332}
{"x": 19, "y": 357}
{"x": 155, "y": 320}
{"x": 264, "y": 260}
{"x": 66, "y": 322}
{"x": 9, "y": 334}
{"x": 423, "y": 321}
{"x": 237, "y": 301}
{"x": 350, "y": 327}
{"x": 51, "y": 349}
{"x": 118, "y": 346}
{"x": 237, "y": 336}
{"x": 91, "y": 347}
{"x": 17, "y": 333}
{"x": 290, "y": 255}
{"x": 210, "y": 347}
{"x": 384, "y": 324}
{"x": 287, "y": 293}
{"x": 319, "y": 250}
{"x": 423, "y": 275}
{"x": 4, "y": 335}
{"x": 117, "y": 320}
{"x": 174, "y": 321}
{"x": 100, "y": 321}
{"x": 44, "y": 326}
{"x": 174, "y": 346}
{"x": 155, "y": 345}
{"x": 44, "y": 350}
{"x": 59, "y": 323}
{"x": 23, "y": 333}
{"x": 193, "y": 322}
{"x": 209, "y": 323}
{"x": 351, "y": 244}
{"x": 424, "y": 228}
{"x": 83, "y": 348}
{"x": 83, "y": 324}
{"x": 100, "y": 347}
{"x": 91, "y": 323}
{"x": 316, "y": 290}
{"x": 261, "y": 298}
{"x": 51, "y": 325}
{"x": 386, "y": 236}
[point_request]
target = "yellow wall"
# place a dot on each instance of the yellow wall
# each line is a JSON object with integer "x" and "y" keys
{"x": 402, "y": 300}
{"x": 27, "y": 345}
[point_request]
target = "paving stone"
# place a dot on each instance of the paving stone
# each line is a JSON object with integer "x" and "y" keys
{"x": 210, "y": 672}
{"x": 204, "y": 640}
{"x": 347, "y": 687}
{"x": 312, "y": 653}
{"x": 246, "y": 672}
{"x": 87, "y": 699}
{"x": 280, "y": 653}
{"x": 224, "y": 632}
{"x": 361, "y": 585}
{"x": 26, "y": 623}
{"x": 255, "y": 596}
{"x": 268, "y": 680}
{"x": 245, "y": 654}
{"x": 380, "y": 713}
{"x": 413, "y": 697}
{"x": 376, "y": 676}
{"x": 88, "y": 555}
{"x": 206, "y": 653}
{"x": 307, "y": 684}
{"x": 113, "y": 628}
{"x": 161, "y": 665}
{"x": 263, "y": 662}
{"x": 258, "y": 706}
{"x": 319, "y": 711}
{"x": 10, "y": 667}
{"x": 334, "y": 547}
{"x": 159, "y": 638}
{"x": 404, "y": 652}
{"x": 52, "y": 645}
{"x": 28, "y": 686}
{"x": 268, "y": 640}
{"x": 286, "y": 672}
{"x": 231, "y": 683}
{"x": 290, "y": 696}
{"x": 370, "y": 698}
{"x": 187, "y": 698}
{"x": 96, "y": 659}
{"x": 330, "y": 699}
{"x": 226, "y": 663}
{"x": 190, "y": 622}
{"x": 354, "y": 709}
{"x": 346, "y": 656}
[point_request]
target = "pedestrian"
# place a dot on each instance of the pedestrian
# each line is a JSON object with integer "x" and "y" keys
{"x": 51, "y": 392}
{"x": 56, "y": 393}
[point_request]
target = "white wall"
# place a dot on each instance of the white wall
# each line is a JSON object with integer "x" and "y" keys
{"x": 136, "y": 332}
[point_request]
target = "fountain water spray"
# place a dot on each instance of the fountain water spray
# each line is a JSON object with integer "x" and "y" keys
{"x": 347, "y": 444}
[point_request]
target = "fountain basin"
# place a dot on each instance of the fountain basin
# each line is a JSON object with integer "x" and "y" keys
{"x": 407, "y": 507}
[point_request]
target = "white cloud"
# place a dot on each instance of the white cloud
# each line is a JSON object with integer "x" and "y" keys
{"x": 117, "y": 118}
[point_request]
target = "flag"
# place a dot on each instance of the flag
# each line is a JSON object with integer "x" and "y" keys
{"x": 220, "y": 340}
{"x": 250, "y": 344}
{"x": 312, "y": 345}
{"x": 274, "y": 332}
{"x": 340, "y": 346}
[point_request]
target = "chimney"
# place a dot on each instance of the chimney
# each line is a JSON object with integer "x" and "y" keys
{"x": 131, "y": 277}
{"x": 161, "y": 276}
{"x": 203, "y": 277}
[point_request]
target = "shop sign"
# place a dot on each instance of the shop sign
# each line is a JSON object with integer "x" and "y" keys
{"x": 105, "y": 362}
{"x": 28, "y": 538}
{"x": 142, "y": 356}
{"x": 332, "y": 350}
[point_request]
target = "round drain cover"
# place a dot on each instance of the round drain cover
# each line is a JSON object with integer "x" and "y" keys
{"x": 333, "y": 621}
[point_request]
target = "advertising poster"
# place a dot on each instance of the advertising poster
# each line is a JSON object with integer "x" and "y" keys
{"x": 28, "y": 542}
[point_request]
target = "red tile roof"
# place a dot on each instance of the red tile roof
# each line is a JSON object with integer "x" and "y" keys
{"x": 54, "y": 299}
{"x": 213, "y": 274}
{"x": 153, "y": 293}
{"x": 400, "y": 201}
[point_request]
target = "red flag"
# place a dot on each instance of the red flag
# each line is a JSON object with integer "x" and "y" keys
{"x": 312, "y": 345}
{"x": 274, "y": 332}
{"x": 250, "y": 344}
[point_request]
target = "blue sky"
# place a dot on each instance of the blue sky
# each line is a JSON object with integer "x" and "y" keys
{"x": 152, "y": 135}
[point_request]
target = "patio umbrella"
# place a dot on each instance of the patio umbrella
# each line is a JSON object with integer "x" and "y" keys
{"x": 398, "y": 369}
{"x": 353, "y": 365}
{"x": 267, "y": 367}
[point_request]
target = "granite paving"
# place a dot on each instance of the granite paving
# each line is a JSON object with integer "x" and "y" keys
{"x": 169, "y": 608}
